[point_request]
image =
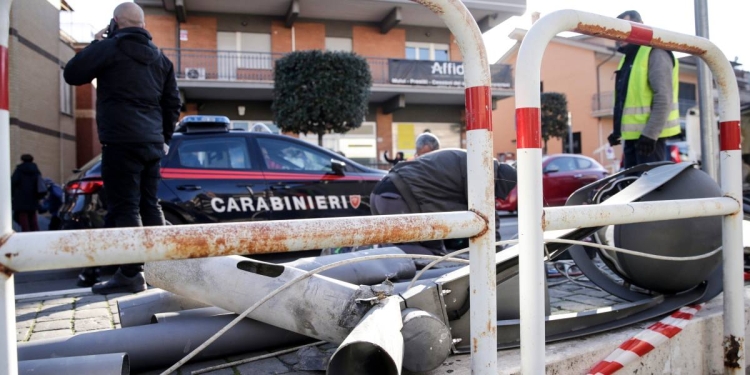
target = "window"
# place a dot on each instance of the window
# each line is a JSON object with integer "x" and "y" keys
{"x": 339, "y": 44}
{"x": 279, "y": 154}
{"x": 214, "y": 153}
{"x": 584, "y": 164}
{"x": 66, "y": 96}
{"x": 242, "y": 50}
{"x": 563, "y": 164}
{"x": 427, "y": 51}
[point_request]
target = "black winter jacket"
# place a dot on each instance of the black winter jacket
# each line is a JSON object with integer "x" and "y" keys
{"x": 137, "y": 98}
{"x": 437, "y": 181}
{"x": 24, "y": 187}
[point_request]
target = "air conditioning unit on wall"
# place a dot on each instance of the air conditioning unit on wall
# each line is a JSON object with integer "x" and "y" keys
{"x": 195, "y": 73}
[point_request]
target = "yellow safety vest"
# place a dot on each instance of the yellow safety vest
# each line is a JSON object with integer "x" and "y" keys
{"x": 638, "y": 99}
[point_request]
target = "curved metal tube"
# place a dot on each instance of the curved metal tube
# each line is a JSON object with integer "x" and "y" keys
{"x": 375, "y": 346}
{"x": 160, "y": 345}
{"x": 101, "y": 364}
{"x": 137, "y": 310}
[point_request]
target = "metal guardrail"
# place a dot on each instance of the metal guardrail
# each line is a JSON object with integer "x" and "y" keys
{"x": 204, "y": 64}
{"x": 243, "y": 66}
{"x": 532, "y": 218}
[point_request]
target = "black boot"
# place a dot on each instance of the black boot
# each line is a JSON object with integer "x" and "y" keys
{"x": 121, "y": 284}
{"x": 88, "y": 277}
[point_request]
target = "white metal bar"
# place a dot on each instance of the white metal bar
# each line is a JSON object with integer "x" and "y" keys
{"x": 480, "y": 180}
{"x": 530, "y": 259}
{"x": 568, "y": 217}
{"x": 733, "y": 254}
{"x": 8, "y": 355}
{"x": 84, "y": 248}
{"x": 527, "y": 106}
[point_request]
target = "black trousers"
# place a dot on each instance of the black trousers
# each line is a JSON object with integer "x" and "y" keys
{"x": 131, "y": 175}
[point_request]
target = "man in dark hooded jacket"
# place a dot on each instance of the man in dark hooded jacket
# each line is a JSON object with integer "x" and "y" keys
{"x": 434, "y": 182}
{"x": 25, "y": 193}
{"x": 137, "y": 107}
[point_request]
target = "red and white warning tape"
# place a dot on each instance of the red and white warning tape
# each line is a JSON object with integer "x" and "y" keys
{"x": 645, "y": 341}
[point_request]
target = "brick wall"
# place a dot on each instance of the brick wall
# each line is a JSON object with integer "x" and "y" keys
{"x": 384, "y": 133}
{"x": 162, "y": 29}
{"x": 35, "y": 57}
{"x": 368, "y": 41}
{"x": 201, "y": 34}
{"x": 281, "y": 37}
{"x": 87, "y": 138}
{"x": 309, "y": 36}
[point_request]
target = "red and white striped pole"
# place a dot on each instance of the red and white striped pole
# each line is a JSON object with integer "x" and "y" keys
{"x": 481, "y": 180}
{"x": 530, "y": 210}
{"x": 730, "y": 177}
{"x": 8, "y": 356}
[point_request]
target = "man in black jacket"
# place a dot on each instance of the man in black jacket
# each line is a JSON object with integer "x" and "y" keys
{"x": 137, "y": 107}
{"x": 434, "y": 182}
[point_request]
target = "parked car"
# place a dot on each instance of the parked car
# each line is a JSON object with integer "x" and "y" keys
{"x": 678, "y": 151}
{"x": 563, "y": 175}
{"x": 214, "y": 174}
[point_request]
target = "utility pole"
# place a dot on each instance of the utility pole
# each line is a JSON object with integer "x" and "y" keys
{"x": 709, "y": 131}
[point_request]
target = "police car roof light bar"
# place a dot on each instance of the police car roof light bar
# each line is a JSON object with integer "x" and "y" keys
{"x": 203, "y": 124}
{"x": 531, "y": 213}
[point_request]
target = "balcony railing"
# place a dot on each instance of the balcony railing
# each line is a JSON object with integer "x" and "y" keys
{"x": 604, "y": 103}
{"x": 201, "y": 64}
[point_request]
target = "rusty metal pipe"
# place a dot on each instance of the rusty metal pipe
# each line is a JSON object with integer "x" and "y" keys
{"x": 318, "y": 306}
{"x": 569, "y": 217}
{"x": 101, "y": 364}
{"x": 96, "y": 247}
{"x": 375, "y": 346}
{"x": 159, "y": 345}
{"x": 137, "y": 310}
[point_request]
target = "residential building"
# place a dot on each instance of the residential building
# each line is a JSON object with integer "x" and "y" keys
{"x": 583, "y": 68}
{"x": 41, "y": 103}
{"x": 224, "y": 53}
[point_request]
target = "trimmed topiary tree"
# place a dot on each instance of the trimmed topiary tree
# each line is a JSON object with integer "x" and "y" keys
{"x": 554, "y": 116}
{"x": 320, "y": 92}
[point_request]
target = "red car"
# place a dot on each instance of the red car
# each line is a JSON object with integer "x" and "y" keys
{"x": 563, "y": 175}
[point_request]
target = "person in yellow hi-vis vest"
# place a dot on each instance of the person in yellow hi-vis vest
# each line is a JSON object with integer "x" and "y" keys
{"x": 646, "y": 108}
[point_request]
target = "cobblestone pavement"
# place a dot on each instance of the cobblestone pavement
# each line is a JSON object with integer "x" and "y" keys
{"x": 65, "y": 316}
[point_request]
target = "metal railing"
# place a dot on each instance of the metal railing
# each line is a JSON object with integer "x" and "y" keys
{"x": 203, "y": 64}
{"x": 533, "y": 219}
{"x": 243, "y": 66}
{"x": 66, "y": 249}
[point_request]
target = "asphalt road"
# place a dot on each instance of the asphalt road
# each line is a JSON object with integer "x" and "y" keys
{"x": 45, "y": 281}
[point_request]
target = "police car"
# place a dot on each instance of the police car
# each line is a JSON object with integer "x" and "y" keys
{"x": 216, "y": 174}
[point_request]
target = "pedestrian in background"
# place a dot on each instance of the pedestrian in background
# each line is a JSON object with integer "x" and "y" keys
{"x": 27, "y": 188}
{"x": 52, "y": 204}
{"x": 646, "y": 108}
{"x": 138, "y": 106}
{"x": 426, "y": 142}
